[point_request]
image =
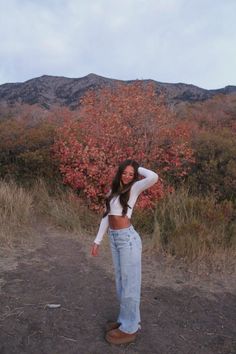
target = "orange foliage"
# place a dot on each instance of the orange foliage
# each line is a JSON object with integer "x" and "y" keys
{"x": 114, "y": 124}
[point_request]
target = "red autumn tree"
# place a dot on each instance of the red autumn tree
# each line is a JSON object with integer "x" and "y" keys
{"x": 114, "y": 124}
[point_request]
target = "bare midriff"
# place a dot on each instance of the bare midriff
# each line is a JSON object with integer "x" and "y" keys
{"x": 117, "y": 222}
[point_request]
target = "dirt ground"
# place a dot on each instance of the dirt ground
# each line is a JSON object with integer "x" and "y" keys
{"x": 182, "y": 313}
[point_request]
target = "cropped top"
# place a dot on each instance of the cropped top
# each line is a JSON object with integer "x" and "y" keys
{"x": 138, "y": 187}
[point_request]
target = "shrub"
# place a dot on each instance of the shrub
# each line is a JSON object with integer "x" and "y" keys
{"x": 113, "y": 125}
{"x": 25, "y": 145}
{"x": 215, "y": 167}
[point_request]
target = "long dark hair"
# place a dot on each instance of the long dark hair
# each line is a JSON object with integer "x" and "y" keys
{"x": 118, "y": 189}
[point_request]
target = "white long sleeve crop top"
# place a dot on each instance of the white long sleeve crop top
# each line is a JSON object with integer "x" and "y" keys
{"x": 138, "y": 187}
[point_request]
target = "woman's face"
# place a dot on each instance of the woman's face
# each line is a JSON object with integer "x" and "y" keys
{"x": 127, "y": 175}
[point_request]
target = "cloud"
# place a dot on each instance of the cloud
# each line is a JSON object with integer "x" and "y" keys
{"x": 166, "y": 40}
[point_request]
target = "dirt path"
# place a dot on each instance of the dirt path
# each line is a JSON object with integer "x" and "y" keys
{"x": 175, "y": 320}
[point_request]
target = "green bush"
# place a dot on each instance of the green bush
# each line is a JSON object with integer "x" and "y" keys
{"x": 25, "y": 149}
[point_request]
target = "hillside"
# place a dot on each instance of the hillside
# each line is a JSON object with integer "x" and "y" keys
{"x": 48, "y": 91}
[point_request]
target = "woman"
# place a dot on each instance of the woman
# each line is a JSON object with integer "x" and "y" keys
{"x": 126, "y": 247}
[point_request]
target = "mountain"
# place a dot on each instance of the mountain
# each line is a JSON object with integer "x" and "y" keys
{"x": 48, "y": 91}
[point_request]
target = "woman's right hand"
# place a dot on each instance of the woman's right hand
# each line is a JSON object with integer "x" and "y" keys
{"x": 94, "y": 251}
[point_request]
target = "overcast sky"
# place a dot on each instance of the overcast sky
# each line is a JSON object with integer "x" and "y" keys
{"x": 190, "y": 41}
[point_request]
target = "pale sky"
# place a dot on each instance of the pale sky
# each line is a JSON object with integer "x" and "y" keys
{"x": 189, "y": 41}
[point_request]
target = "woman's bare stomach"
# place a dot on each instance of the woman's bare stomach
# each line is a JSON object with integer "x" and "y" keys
{"x": 118, "y": 222}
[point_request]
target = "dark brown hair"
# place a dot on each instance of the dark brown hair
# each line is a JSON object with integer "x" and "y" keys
{"x": 117, "y": 188}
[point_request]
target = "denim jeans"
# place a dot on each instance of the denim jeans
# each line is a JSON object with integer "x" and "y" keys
{"x": 126, "y": 248}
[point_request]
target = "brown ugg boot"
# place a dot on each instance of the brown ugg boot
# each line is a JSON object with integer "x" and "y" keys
{"x": 116, "y": 336}
{"x": 111, "y": 325}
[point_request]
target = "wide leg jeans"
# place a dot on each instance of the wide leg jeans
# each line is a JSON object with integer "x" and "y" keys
{"x": 126, "y": 248}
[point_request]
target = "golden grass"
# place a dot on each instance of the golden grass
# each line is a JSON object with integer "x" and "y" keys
{"x": 62, "y": 207}
{"x": 194, "y": 227}
{"x": 21, "y": 209}
{"x": 15, "y": 213}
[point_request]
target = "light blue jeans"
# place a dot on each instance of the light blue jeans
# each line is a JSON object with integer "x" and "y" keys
{"x": 126, "y": 248}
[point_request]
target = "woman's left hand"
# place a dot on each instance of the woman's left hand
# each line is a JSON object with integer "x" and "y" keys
{"x": 94, "y": 251}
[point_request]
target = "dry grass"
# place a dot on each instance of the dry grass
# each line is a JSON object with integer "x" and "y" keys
{"x": 63, "y": 208}
{"x": 19, "y": 209}
{"x": 193, "y": 227}
{"x": 15, "y": 213}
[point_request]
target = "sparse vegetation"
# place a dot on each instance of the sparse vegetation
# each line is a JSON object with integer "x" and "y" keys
{"x": 62, "y": 207}
{"x": 15, "y": 213}
{"x": 186, "y": 226}
{"x": 194, "y": 227}
{"x": 19, "y": 208}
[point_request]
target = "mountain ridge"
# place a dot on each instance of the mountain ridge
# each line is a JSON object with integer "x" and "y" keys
{"x": 48, "y": 90}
